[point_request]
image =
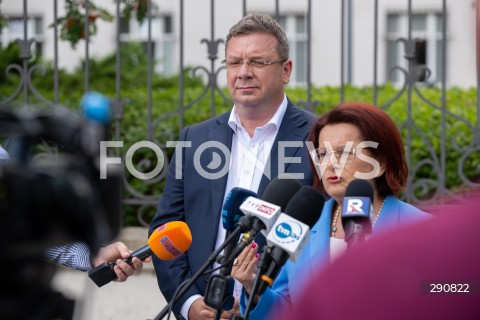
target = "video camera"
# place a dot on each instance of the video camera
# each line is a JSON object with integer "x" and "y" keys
{"x": 50, "y": 201}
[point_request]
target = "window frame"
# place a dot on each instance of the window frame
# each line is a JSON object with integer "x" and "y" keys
{"x": 432, "y": 34}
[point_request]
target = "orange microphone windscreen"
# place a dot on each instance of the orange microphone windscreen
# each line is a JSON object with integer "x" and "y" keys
{"x": 170, "y": 240}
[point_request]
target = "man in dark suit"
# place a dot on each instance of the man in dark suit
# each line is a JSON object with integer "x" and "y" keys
{"x": 261, "y": 137}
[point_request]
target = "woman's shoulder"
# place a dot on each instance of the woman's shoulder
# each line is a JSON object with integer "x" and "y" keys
{"x": 409, "y": 211}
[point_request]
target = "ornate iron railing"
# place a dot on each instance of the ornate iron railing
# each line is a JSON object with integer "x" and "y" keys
{"x": 143, "y": 203}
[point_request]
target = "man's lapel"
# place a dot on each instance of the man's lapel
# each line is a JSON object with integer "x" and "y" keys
{"x": 221, "y": 133}
{"x": 292, "y": 128}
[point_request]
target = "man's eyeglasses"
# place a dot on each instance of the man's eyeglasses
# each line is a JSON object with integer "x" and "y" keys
{"x": 343, "y": 155}
{"x": 255, "y": 64}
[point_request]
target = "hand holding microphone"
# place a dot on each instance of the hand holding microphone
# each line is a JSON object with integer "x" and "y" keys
{"x": 243, "y": 223}
{"x": 167, "y": 242}
{"x": 286, "y": 238}
{"x": 282, "y": 190}
{"x": 117, "y": 252}
{"x": 291, "y": 232}
{"x": 263, "y": 213}
{"x": 243, "y": 211}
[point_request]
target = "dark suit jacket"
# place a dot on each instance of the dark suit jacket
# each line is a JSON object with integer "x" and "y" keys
{"x": 198, "y": 200}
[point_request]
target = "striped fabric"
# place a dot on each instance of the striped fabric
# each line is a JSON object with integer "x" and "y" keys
{"x": 74, "y": 255}
{"x": 3, "y": 156}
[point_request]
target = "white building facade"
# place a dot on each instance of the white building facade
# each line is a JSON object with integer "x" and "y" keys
{"x": 167, "y": 30}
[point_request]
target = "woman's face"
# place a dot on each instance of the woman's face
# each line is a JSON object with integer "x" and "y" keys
{"x": 340, "y": 168}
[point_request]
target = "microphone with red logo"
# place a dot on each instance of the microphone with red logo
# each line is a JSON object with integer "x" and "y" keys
{"x": 357, "y": 211}
{"x": 264, "y": 213}
{"x": 287, "y": 238}
{"x": 167, "y": 242}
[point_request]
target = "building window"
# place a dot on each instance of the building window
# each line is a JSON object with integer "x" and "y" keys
{"x": 15, "y": 30}
{"x": 162, "y": 40}
{"x": 295, "y": 27}
{"x": 426, "y": 28}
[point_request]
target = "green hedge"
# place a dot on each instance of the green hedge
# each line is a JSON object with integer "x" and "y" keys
{"x": 165, "y": 97}
{"x": 461, "y": 112}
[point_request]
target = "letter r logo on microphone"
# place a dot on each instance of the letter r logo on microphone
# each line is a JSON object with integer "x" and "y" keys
{"x": 355, "y": 205}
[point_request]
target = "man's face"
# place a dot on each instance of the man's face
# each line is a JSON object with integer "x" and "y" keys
{"x": 250, "y": 85}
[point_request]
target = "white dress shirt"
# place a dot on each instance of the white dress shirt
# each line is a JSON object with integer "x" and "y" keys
{"x": 249, "y": 156}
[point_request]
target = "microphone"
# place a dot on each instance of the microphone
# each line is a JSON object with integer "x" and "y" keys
{"x": 263, "y": 213}
{"x": 281, "y": 189}
{"x": 277, "y": 188}
{"x": 357, "y": 211}
{"x": 219, "y": 290}
{"x": 231, "y": 212}
{"x": 291, "y": 231}
{"x": 167, "y": 242}
{"x": 231, "y": 215}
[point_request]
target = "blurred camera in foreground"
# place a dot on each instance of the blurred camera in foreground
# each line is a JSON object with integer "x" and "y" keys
{"x": 48, "y": 200}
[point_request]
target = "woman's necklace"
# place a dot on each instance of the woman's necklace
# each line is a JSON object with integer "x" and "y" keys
{"x": 337, "y": 214}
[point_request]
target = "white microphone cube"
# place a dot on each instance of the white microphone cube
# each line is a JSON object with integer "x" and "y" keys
{"x": 289, "y": 234}
{"x": 263, "y": 210}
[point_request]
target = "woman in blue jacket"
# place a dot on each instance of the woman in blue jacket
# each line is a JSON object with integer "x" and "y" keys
{"x": 354, "y": 140}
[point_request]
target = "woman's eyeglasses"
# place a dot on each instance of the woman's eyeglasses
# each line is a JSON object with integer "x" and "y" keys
{"x": 343, "y": 155}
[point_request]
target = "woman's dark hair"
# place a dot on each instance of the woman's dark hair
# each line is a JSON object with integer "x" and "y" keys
{"x": 374, "y": 125}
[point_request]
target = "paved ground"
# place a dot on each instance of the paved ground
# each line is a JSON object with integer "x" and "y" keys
{"x": 138, "y": 298}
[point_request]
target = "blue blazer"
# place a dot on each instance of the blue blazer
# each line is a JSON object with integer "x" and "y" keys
{"x": 286, "y": 289}
{"x": 198, "y": 201}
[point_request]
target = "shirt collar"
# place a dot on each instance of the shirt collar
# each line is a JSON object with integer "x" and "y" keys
{"x": 276, "y": 120}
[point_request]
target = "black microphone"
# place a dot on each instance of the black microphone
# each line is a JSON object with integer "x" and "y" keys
{"x": 243, "y": 224}
{"x": 280, "y": 190}
{"x": 357, "y": 211}
{"x": 263, "y": 213}
{"x": 291, "y": 231}
{"x": 219, "y": 292}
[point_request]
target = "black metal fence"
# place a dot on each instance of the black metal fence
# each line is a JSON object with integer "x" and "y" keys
{"x": 412, "y": 70}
